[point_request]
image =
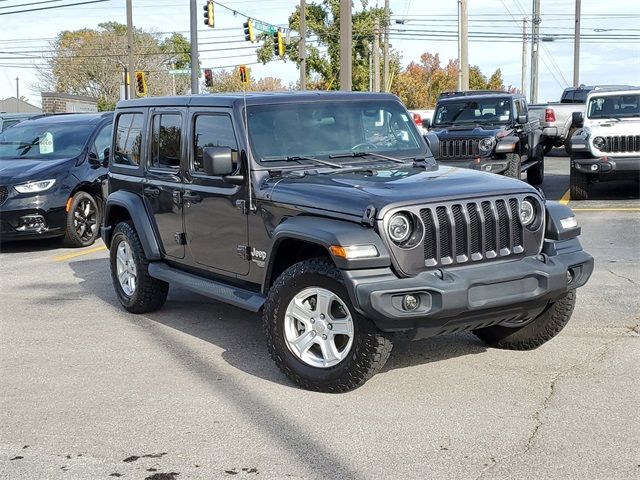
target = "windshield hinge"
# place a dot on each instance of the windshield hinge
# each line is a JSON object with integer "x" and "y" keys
{"x": 369, "y": 216}
{"x": 242, "y": 206}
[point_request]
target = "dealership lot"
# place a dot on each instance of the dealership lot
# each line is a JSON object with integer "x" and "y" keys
{"x": 90, "y": 391}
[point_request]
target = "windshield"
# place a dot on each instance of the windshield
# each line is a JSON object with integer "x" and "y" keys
{"x": 485, "y": 110}
{"x": 614, "y": 106}
{"x": 41, "y": 141}
{"x": 289, "y": 130}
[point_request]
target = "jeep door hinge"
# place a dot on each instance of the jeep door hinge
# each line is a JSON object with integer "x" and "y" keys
{"x": 244, "y": 252}
{"x": 369, "y": 216}
{"x": 181, "y": 238}
{"x": 242, "y": 206}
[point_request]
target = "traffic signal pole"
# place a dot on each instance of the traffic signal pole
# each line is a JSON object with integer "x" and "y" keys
{"x": 195, "y": 68}
{"x": 535, "y": 45}
{"x": 345, "y": 45}
{"x": 132, "y": 65}
{"x": 303, "y": 45}
{"x": 576, "y": 48}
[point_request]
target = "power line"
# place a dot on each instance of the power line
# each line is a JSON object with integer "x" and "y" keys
{"x": 54, "y": 6}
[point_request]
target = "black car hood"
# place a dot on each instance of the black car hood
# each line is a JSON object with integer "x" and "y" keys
{"x": 352, "y": 193}
{"x": 467, "y": 131}
{"x": 20, "y": 170}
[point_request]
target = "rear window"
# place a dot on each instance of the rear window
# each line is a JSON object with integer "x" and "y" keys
{"x": 128, "y": 139}
{"x": 166, "y": 141}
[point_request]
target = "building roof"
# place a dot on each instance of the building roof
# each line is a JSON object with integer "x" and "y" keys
{"x": 13, "y": 105}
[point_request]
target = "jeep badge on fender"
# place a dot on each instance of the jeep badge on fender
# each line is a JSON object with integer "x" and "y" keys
{"x": 348, "y": 233}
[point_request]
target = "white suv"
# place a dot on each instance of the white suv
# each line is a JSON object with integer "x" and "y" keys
{"x": 608, "y": 144}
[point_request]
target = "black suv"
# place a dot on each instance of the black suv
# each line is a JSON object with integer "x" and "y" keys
{"x": 327, "y": 213}
{"x": 489, "y": 131}
{"x": 51, "y": 172}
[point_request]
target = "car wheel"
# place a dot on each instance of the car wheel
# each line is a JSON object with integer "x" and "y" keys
{"x": 578, "y": 185}
{"x": 542, "y": 329}
{"x": 83, "y": 221}
{"x": 137, "y": 291}
{"x": 314, "y": 334}
{"x": 514, "y": 169}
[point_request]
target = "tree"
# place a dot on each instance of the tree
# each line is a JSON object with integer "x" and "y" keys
{"x": 420, "y": 83}
{"x": 92, "y": 62}
{"x": 229, "y": 81}
{"x": 323, "y": 22}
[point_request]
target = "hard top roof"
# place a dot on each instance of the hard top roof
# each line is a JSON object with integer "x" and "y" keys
{"x": 84, "y": 118}
{"x": 253, "y": 98}
{"x": 444, "y": 96}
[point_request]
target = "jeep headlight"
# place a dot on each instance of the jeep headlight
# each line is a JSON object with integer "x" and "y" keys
{"x": 400, "y": 228}
{"x": 486, "y": 144}
{"x": 527, "y": 212}
{"x": 35, "y": 187}
{"x": 599, "y": 143}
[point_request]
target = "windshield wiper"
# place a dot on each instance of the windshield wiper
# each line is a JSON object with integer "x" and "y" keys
{"x": 298, "y": 158}
{"x": 365, "y": 154}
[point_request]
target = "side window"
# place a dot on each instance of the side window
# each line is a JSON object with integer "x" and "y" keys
{"x": 166, "y": 141}
{"x": 213, "y": 131}
{"x": 103, "y": 140}
{"x": 128, "y": 139}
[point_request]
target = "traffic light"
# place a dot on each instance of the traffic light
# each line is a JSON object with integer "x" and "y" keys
{"x": 141, "y": 84}
{"x": 208, "y": 14}
{"x": 249, "y": 34}
{"x": 208, "y": 77}
{"x": 244, "y": 74}
{"x": 278, "y": 44}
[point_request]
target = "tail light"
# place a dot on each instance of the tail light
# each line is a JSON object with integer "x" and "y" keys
{"x": 417, "y": 119}
{"x": 549, "y": 115}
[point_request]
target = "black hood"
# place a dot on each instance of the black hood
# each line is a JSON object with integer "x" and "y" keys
{"x": 469, "y": 131}
{"x": 351, "y": 193}
{"x": 14, "y": 171}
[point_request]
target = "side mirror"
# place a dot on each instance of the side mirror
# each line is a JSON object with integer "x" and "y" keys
{"x": 217, "y": 161}
{"x": 93, "y": 159}
{"x": 578, "y": 119}
{"x": 106, "y": 153}
{"x": 426, "y": 123}
{"x": 523, "y": 118}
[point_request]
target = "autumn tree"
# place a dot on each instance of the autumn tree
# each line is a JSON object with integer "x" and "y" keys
{"x": 420, "y": 83}
{"x": 229, "y": 81}
{"x": 92, "y": 62}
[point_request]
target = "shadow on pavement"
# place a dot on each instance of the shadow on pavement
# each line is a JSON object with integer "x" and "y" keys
{"x": 30, "y": 245}
{"x": 239, "y": 333}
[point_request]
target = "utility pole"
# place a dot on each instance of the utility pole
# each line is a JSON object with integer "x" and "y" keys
{"x": 132, "y": 65}
{"x": 576, "y": 48}
{"x": 535, "y": 45}
{"x": 385, "y": 48}
{"x": 303, "y": 45}
{"x": 195, "y": 67}
{"x": 464, "y": 48}
{"x": 17, "y": 95}
{"x": 376, "y": 56}
{"x": 523, "y": 81}
{"x": 345, "y": 45}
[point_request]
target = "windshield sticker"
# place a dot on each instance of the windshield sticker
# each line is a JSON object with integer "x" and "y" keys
{"x": 46, "y": 143}
{"x": 504, "y": 117}
{"x": 404, "y": 117}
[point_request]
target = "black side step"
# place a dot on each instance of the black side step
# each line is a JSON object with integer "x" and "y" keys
{"x": 236, "y": 296}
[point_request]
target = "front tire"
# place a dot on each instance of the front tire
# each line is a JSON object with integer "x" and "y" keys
{"x": 530, "y": 336}
{"x": 514, "y": 170}
{"x": 137, "y": 291}
{"x": 314, "y": 334}
{"x": 578, "y": 185}
{"x": 83, "y": 221}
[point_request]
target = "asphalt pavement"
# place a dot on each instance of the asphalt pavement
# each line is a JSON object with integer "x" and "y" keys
{"x": 89, "y": 391}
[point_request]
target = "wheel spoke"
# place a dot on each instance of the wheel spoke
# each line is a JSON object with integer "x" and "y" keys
{"x": 304, "y": 342}
{"x": 87, "y": 208}
{"x": 300, "y": 312}
{"x": 329, "y": 351}
{"x": 343, "y": 326}
{"x": 324, "y": 299}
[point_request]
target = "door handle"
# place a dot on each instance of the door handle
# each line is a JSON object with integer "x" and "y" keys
{"x": 191, "y": 197}
{"x": 152, "y": 191}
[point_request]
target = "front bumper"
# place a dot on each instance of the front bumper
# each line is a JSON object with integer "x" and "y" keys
{"x": 33, "y": 216}
{"x": 485, "y": 164}
{"x": 606, "y": 165}
{"x": 471, "y": 296}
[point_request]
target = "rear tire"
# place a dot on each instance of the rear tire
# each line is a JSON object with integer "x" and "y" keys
{"x": 140, "y": 293}
{"x": 546, "y": 326}
{"x": 352, "y": 362}
{"x": 579, "y": 185}
{"x": 514, "y": 170}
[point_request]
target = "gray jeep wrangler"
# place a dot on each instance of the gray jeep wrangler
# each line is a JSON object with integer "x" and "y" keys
{"x": 327, "y": 213}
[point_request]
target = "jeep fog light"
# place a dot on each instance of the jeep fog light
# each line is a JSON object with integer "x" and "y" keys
{"x": 569, "y": 222}
{"x": 594, "y": 167}
{"x": 353, "y": 252}
{"x": 410, "y": 302}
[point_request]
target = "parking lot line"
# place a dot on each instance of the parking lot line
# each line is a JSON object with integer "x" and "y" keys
{"x": 62, "y": 258}
{"x": 613, "y": 209}
{"x": 565, "y": 198}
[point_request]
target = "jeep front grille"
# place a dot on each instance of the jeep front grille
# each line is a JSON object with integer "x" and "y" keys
{"x": 622, "y": 143}
{"x": 459, "y": 148}
{"x": 471, "y": 231}
{"x": 4, "y": 193}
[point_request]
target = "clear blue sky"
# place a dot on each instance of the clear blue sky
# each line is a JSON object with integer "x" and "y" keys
{"x": 603, "y": 61}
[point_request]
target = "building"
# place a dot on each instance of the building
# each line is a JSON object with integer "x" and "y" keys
{"x": 13, "y": 105}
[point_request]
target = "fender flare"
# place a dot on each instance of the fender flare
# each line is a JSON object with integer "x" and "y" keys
{"x": 508, "y": 144}
{"x": 326, "y": 232}
{"x": 554, "y": 231}
{"x": 134, "y": 205}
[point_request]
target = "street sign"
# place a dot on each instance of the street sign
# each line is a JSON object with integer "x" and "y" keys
{"x": 182, "y": 71}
